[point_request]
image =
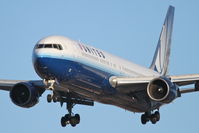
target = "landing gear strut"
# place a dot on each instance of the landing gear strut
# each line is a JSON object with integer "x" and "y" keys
{"x": 148, "y": 116}
{"x": 71, "y": 100}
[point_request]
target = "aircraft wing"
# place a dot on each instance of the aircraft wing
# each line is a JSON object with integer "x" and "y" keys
{"x": 8, "y": 84}
{"x": 129, "y": 84}
{"x": 182, "y": 80}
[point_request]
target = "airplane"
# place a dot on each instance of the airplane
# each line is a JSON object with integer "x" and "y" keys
{"x": 77, "y": 73}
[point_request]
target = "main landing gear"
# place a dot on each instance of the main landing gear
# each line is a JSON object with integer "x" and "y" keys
{"x": 148, "y": 116}
{"x": 71, "y": 100}
{"x": 70, "y": 118}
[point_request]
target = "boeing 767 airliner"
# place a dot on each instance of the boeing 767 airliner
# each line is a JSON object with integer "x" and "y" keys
{"x": 80, "y": 74}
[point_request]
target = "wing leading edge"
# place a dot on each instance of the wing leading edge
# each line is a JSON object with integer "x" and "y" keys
{"x": 7, "y": 85}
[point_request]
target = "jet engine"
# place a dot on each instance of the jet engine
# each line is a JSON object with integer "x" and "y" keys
{"x": 162, "y": 90}
{"x": 25, "y": 95}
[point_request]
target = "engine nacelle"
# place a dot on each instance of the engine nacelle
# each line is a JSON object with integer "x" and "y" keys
{"x": 162, "y": 90}
{"x": 25, "y": 95}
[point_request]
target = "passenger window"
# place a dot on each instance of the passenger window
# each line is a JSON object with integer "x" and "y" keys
{"x": 94, "y": 51}
{"x": 84, "y": 48}
{"x": 99, "y": 53}
{"x": 102, "y": 55}
{"x": 88, "y": 49}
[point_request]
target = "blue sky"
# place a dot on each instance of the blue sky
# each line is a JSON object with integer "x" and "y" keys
{"x": 128, "y": 28}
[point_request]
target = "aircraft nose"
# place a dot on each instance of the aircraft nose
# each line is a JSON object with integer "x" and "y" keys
{"x": 36, "y": 58}
{"x": 43, "y": 69}
{"x": 40, "y": 64}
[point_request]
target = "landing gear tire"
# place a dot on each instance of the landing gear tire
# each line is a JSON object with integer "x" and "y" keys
{"x": 67, "y": 117}
{"x": 73, "y": 121}
{"x": 143, "y": 119}
{"x": 153, "y": 119}
{"x": 73, "y": 125}
{"x": 49, "y": 98}
{"x": 77, "y": 117}
{"x": 63, "y": 122}
{"x": 157, "y": 115}
{"x": 54, "y": 99}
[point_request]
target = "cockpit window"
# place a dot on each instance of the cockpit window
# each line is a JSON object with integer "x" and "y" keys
{"x": 40, "y": 46}
{"x": 55, "y": 46}
{"x": 48, "y": 46}
{"x": 60, "y": 47}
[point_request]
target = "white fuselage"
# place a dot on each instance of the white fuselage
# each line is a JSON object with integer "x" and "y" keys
{"x": 111, "y": 63}
{"x": 86, "y": 70}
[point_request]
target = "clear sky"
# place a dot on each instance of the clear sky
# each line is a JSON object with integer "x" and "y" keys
{"x": 127, "y": 28}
